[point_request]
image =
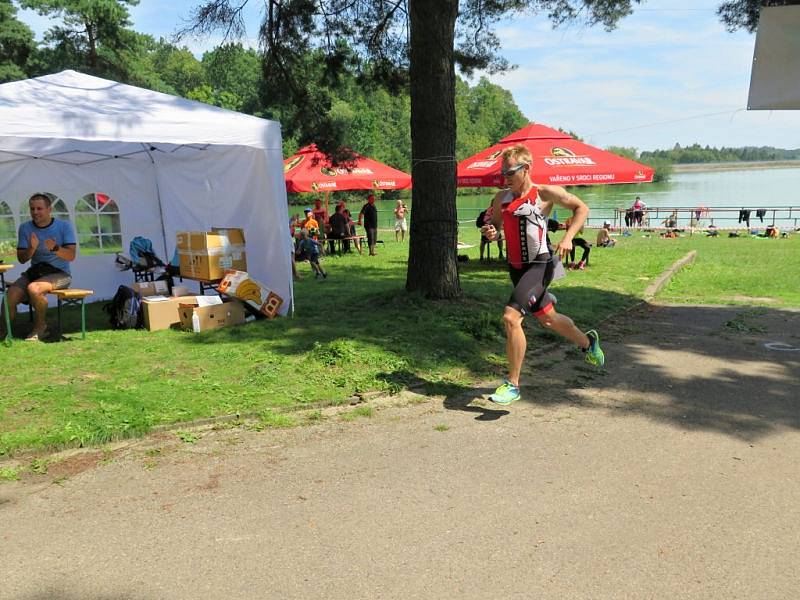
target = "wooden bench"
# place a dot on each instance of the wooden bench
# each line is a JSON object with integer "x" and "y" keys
{"x": 73, "y": 296}
{"x": 66, "y": 296}
{"x": 356, "y": 239}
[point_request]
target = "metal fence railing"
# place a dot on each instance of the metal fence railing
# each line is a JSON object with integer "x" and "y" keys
{"x": 684, "y": 217}
{"x": 722, "y": 217}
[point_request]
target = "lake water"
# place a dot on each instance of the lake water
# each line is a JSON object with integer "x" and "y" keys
{"x": 747, "y": 188}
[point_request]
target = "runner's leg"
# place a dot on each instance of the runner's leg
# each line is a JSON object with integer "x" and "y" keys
{"x": 563, "y": 326}
{"x": 515, "y": 343}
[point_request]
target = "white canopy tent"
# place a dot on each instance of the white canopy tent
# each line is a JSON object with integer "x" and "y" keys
{"x": 167, "y": 163}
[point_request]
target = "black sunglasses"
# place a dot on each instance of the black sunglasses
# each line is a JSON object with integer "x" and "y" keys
{"x": 510, "y": 172}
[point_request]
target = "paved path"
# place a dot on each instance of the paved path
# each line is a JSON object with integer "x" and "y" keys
{"x": 674, "y": 474}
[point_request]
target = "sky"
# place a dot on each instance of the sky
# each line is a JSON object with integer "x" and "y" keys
{"x": 668, "y": 74}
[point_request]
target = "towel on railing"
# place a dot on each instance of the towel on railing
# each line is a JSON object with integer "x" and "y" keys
{"x": 760, "y": 214}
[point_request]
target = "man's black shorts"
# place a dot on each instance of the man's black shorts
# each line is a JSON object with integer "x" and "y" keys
{"x": 530, "y": 294}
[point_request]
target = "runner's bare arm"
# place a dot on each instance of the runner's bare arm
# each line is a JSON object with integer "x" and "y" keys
{"x": 553, "y": 194}
{"x": 492, "y": 230}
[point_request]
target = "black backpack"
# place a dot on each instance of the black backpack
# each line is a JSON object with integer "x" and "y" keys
{"x": 125, "y": 310}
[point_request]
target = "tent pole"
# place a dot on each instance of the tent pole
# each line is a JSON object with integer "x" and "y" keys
{"x": 167, "y": 257}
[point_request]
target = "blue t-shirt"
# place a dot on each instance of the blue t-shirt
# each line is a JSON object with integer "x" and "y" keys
{"x": 59, "y": 231}
{"x": 310, "y": 247}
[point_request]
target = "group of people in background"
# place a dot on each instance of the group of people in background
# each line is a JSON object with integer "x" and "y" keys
{"x": 309, "y": 233}
{"x": 635, "y": 215}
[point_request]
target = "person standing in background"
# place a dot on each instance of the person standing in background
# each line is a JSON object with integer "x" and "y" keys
{"x": 368, "y": 217}
{"x": 400, "y": 225}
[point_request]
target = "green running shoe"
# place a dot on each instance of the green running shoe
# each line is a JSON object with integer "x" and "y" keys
{"x": 506, "y": 393}
{"x": 594, "y": 354}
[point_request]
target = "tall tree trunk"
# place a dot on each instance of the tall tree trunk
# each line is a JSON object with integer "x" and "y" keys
{"x": 432, "y": 261}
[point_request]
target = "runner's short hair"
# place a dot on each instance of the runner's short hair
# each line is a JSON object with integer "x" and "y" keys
{"x": 519, "y": 153}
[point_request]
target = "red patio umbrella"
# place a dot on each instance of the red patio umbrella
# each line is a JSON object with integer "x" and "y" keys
{"x": 311, "y": 171}
{"x": 558, "y": 159}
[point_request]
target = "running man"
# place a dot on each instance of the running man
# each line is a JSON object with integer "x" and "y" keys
{"x": 522, "y": 209}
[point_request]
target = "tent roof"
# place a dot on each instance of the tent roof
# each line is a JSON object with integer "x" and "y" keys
{"x": 557, "y": 159}
{"x": 75, "y": 106}
{"x": 535, "y": 131}
{"x": 312, "y": 171}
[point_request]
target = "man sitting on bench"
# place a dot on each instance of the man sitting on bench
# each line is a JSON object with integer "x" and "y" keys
{"x": 50, "y": 246}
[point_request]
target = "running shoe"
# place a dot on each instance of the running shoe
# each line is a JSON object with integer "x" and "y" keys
{"x": 506, "y": 393}
{"x": 594, "y": 354}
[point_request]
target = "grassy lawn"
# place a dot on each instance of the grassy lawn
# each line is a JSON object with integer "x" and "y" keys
{"x": 356, "y": 331}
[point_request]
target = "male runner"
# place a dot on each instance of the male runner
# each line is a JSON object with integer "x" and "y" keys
{"x": 522, "y": 209}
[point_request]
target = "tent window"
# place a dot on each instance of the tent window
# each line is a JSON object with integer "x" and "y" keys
{"x": 8, "y": 234}
{"x": 60, "y": 210}
{"x": 98, "y": 225}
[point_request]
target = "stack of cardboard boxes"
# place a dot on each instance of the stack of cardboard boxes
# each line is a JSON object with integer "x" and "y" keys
{"x": 207, "y": 255}
{"x": 163, "y": 310}
{"x": 216, "y": 255}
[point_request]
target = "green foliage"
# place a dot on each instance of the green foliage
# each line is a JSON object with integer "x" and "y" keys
{"x": 221, "y": 98}
{"x": 361, "y": 411}
{"x": 707, "y": 154}
{"x": 90, "y": 35}
{"x": 272, "y": 419}
{"x": 663, "y": 168}
{"x": 485, "y": 114}
{"x": 16, "y": 44}
{"x": 626, "y": 151}
{"x": 232, "y": 68}
{"x": 744, "y": 14}
{"x": 662, "y": 165}
{"x": 176, "y": 67}
{"x": 9, "y": 473}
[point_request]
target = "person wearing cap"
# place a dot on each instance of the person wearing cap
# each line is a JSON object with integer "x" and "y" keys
{"x": 604, "y": 239}
{"x": 310, "y": 224}
{"x": 522, "y": 210}
{"x": 369, "y": 218}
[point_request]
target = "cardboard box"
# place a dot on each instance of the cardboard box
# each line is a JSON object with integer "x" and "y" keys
{"x": 163, "y": 314}
{"x": 207, "y": 255}
{"x": 151, "y": 288}
{"x": 213, "y": 316}
{"x": 240, "y": 285}
{"x": 180, "y": 290}
{"x": 235, "y": 235}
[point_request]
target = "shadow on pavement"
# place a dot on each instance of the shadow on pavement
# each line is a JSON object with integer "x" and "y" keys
{"x": 729, "y": 369}
{"x": 732, "y": 370}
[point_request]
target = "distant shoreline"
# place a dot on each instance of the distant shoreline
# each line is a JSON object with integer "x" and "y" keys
{"x": 735, "y": 166}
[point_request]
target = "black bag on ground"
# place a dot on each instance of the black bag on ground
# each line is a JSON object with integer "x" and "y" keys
{"x": 125, "y": 310}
